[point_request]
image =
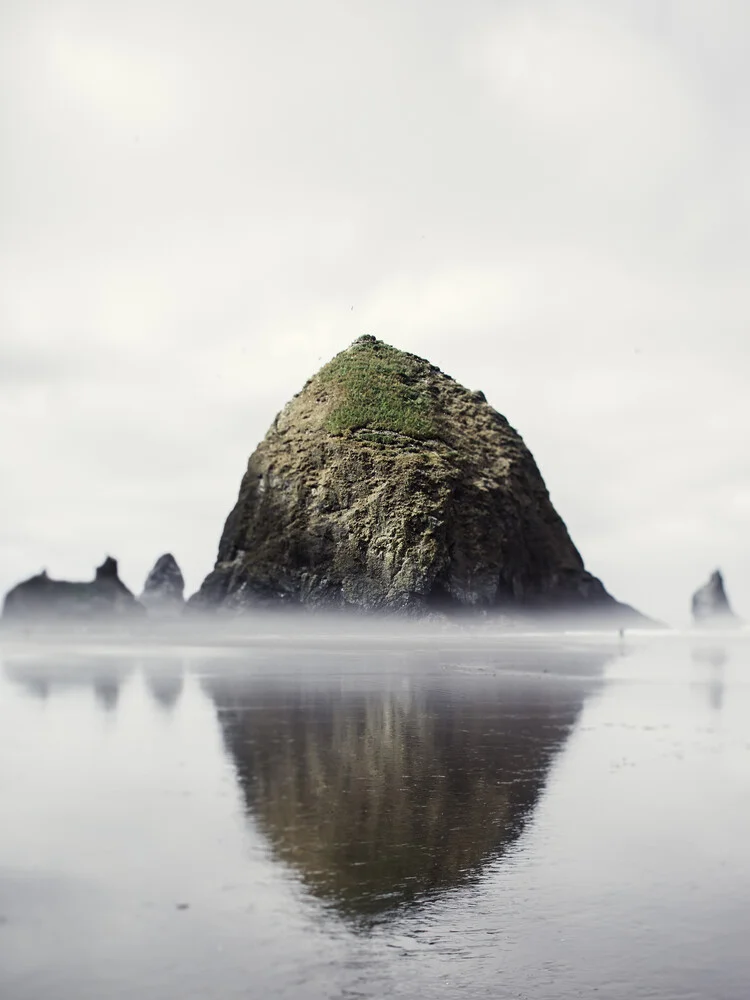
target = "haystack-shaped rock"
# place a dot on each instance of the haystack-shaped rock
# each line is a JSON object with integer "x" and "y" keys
{"x": 385, "y": 484}
{"x": 41, "y": 598}
{"x": 710, "y": 604}
{"x": 163, "y": 592}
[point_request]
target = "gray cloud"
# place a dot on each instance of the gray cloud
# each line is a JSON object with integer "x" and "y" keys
{"x": 202, "y": 203}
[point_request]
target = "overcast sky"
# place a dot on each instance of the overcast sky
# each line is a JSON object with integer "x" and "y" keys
{"x": 202, "y": 202}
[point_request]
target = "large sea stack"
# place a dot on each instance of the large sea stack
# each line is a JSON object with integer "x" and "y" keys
{"x": 386, "y": 485}
{"x": 41, "y": 598}
{"x": 710, "y": 604}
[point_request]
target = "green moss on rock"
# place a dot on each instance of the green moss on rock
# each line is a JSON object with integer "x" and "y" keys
{"x": 378, "y": 388}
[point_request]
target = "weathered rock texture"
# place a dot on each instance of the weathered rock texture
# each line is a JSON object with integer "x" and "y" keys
{"x": 40, "y": 598}
{"x": 163, "y": 592}
{"x": 710, "y": 603}
{"x": 385, "y": 484}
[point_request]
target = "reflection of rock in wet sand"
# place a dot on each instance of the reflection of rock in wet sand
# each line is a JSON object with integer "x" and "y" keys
{"x": 45, "y": 674}
{"x": 377, "y": 797}
{"x": 38, "y": 688}
{"x": 715, "y": 657}
{"x": 165, "y": 682}
{"x": 107, "y": 691}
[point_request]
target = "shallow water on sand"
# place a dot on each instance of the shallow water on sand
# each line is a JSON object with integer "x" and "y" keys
{"x": 309, "y": 817}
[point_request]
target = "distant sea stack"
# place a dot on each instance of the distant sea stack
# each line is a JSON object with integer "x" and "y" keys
{"x": 710, "y": 604}
{"x": 41, "y": 598}
{"x": 163, "y": 591}
{"x": 386, "y": 485}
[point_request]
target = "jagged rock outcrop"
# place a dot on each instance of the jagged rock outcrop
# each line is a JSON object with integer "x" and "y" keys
{"x": 41, "y": 598}
{"x": 163, "y": 592}
{"x": 384, "y": 484}
{"x": 710, "y": 604}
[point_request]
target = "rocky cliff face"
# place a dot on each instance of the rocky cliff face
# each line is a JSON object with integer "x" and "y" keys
{"x": 710, "y": 604}
{"x": 385, "y": 484}
{"x": 163, "y": 592}
{"x": 41, "y": 598}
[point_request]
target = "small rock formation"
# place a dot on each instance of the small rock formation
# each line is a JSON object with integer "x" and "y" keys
{"x": 710, "y": 603}
{"x": 386, "y": 485}
{"x": 163, "y": 592}
{"x": 43, "y": 599}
